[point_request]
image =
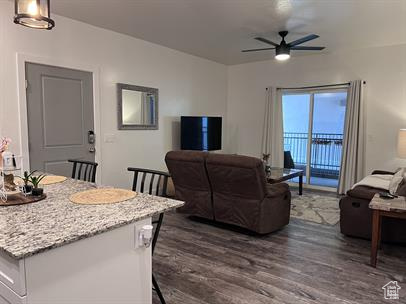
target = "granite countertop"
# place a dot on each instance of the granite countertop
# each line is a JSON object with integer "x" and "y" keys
{"x": 33, "y": 228}
{"x": 397, "y": 204}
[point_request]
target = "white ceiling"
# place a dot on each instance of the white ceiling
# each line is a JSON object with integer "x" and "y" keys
{"x": 219, "y": 29}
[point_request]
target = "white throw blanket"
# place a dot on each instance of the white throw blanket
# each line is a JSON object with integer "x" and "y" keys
{"x": 380, "y": 181}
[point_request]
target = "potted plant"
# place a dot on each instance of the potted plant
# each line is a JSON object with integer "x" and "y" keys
{"x": 26, "y": 179}
{"x": 35, "y": 180}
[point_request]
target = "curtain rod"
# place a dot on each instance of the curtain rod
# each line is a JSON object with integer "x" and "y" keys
{"x": 319, "y": 86}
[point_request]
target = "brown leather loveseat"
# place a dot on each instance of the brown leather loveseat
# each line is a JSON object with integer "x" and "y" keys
{"x": 230, "y": 189}
{"x": 356, "y": 216}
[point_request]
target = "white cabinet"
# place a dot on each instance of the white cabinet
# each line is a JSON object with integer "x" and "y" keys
{"x": 12, "y": 273}
{"x": 4, "y": 301}
{"x": 105, "y": 268}
{"x": 8, "y": 296}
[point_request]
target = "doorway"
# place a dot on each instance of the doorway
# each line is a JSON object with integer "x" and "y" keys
{"x": 60, "y": 117}
{"x": 313, "y": 123}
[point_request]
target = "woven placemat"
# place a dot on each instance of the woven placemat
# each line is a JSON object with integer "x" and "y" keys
{"x": 52, "y": 179}
{"x": 102, "y": 196}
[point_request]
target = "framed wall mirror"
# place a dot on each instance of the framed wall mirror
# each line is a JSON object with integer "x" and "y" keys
{"x": 137, "y": 107}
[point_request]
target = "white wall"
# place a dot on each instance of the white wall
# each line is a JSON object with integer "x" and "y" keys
{"x": 383, "y": 68}
{"x": 187, "y": 85}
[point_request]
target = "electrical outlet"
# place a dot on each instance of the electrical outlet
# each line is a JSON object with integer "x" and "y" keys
{"x": 143, "y": 236}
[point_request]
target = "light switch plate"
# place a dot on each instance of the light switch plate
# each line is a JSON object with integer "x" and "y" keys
{"x": 109, "y": 138}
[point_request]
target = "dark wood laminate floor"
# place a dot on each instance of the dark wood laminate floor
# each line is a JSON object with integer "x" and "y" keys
{"x": 197, "y": 263}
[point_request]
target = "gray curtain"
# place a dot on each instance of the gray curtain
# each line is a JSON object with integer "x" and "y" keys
{"x": 272, "y": 136}
{"x": 353, "y": 154}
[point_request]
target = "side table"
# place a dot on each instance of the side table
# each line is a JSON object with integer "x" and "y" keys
{"x": 395, "y": 208}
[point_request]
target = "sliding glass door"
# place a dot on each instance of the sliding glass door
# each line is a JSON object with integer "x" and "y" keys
{"x": 296, "y": 115}
{"x": 313, "y": 133}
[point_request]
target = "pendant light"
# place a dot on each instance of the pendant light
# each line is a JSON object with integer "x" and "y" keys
{"x": 34, "y": 14}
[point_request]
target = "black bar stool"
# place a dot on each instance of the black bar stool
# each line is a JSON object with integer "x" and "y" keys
{"x": 84, "y": 170}
{"x": 158, "y": 182}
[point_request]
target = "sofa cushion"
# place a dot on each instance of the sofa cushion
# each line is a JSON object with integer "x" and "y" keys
{"x": 191, "y": 182}
{"x": 363, "y": 192}
{"x": 237, "y": 175}
{"x": 239, "y": 186}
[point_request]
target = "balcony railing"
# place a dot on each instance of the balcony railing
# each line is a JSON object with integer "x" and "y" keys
{"x": 326, "y": 152}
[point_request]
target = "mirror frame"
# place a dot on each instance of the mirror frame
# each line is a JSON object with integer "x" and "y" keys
{"x": 121, "y": 125}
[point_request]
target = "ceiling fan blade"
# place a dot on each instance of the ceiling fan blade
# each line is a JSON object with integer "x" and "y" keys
{"x": 303, "y": 40}
{"x": 266, "y": 41}
{"x": 307, "y": 48}
{"x": 255, "y": 50}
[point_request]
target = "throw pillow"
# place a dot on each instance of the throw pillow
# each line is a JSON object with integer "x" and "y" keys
{"x": 396, "y": 180}
{"x": 402, "y": 188}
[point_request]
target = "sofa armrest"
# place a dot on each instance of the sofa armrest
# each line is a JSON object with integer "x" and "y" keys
{"x": 277, "y": 190}
{"x": 382, "y": 172}
{"x": 274, "y": 208}
{"x": 364, "y": 192}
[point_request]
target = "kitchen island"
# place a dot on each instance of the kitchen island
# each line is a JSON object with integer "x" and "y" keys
{"x": 55, "y": 251}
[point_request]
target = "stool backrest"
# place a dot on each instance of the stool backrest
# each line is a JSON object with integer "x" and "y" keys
{"x": 84, "y": 170}
{"x": 150, "y": 181}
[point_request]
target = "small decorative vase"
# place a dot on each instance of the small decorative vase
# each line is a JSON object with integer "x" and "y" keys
{"x": 265, "y": 160}
{"x": 27, "y": 189}
{"x": 268, "y": 169}
{"x": 37, "y": 191}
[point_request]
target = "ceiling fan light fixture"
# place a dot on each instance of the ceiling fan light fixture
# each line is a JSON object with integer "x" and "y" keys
{"x": 282, "y": 57}
{"x": 33, "y": 13}
{"x": 282, "y": 53}
{"x": 282, "y": 50}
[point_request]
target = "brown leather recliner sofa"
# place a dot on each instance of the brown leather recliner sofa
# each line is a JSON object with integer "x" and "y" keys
{"x": 356, "y": 217}
{"x": 230, "y": 189}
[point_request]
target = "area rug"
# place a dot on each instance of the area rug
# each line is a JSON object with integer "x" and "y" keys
{"x": 317, "y": 207}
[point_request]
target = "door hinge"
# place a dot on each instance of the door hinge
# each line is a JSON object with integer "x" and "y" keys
{"x": 26, "y": 84}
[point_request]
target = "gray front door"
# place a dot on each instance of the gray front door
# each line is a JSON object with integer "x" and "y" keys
{"x": 60, "y": 117}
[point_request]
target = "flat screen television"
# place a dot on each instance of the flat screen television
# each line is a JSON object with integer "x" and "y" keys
{"x": 201, "y": 133}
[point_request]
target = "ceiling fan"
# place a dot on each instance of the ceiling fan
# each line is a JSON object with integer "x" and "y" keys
{"x": 282, "y": 50}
